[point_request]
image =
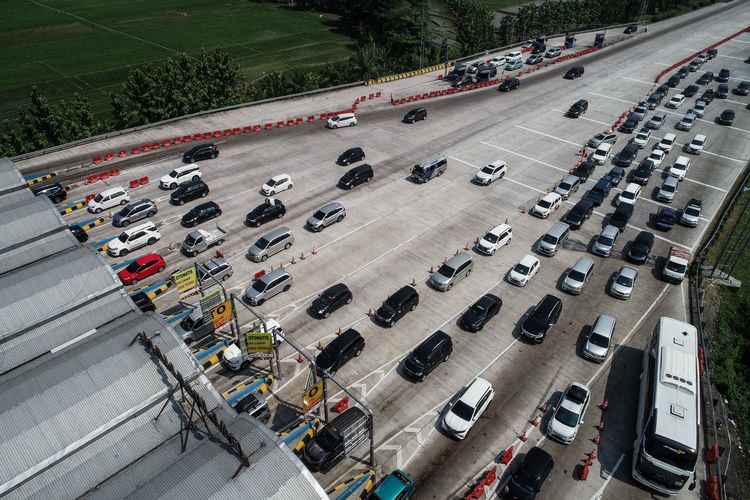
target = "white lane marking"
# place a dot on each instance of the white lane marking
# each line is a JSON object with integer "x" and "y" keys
{"x": 660, "y": 63}
{"x": 506, "y": 178}
{"x": 704, "y": 184}
{"x": 735, "y": 40}
{"x": 637, "y": 80}
{"x": 550, "y": 136}
{"x": 608, "y": 125}
{"x": 600, "y": 491}
{"x": 525, "y": 157}
{"x": 731, "y": 57}
{"x": 613, "y": 98}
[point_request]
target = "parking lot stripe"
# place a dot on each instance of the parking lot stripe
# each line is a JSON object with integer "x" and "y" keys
{"x": 731, "y": 57}
{"x": 506, "y": 178}
{"x": 464, "y": 162}
{"x": 704, "y": 184}
{"x": 608, "y": 125}
{"x": 550, "y": 136}
{"x": 637, "y": 80}
{"x": 613, "y": 98}
{"x": 525, "y": 157}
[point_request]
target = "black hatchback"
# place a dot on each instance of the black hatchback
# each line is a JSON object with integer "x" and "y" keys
{"x": 578, "y": 108}
{"x": 396, "y": 306}
{"x": 628, "y": 154}
{"x": 574, "y": 72}
{"x": 509, "y": 84}
{"x": 481, "y": 312}
{"x": 414, "y": 115}
{"x": 202, "y": 152}
{"x": 189, "y": 192}
{"x": 527, "y": 480}
{"x": 356, "y": 176}
{"x": 580, "y": 212}
{"x": 270, "y": 210}
{"x": 723, "y": 75}
{"x": 673, "y": 81}
{"x": 55, "y": 192}
{"x": 726, "y": 117}
{"x": 690, "y": 90}
{"x": 629, "y": 125}
{"x": 331, "y": 299}
{"x": 434, "y": 350}
{"x": 201, "y": 213}
{"x": 339, "y": 351}
{"x": 640, "y": 248}
{"x": 350, "y": 156}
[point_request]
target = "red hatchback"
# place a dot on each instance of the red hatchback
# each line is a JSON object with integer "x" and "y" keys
{"x": 142, "y": 268}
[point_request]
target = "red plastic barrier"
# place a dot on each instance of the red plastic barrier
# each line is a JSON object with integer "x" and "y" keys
{"x": 156, "y": 145}
{"x": 247, "y": 129}
{"x": 403, "y": 101}
{"x": 236, "y": 131}
{"x": 89, "y": 197}
{"x": 146, "y": 148}
{"x": 134, "y": 184}
{"x": 269, "y": 126}
{"x": 712, "y": 488}
{"x": 712, "y": 454}
{"x": 92, "y": 179}
{"x": 371, "y": 97}
{"x": 114, "y": 172}
{"x": 217, "y": 133}
{"x": 177, "y": 140}
{"x": 109, "y": 157}
{"x": 143, "y": 181}
{"x": 311, "y": 118}
{"x": 289, "y": 122}
{"x": 279, "y": 124}
{"x": 257, "y": 128}
{"x": 378, "y": 94}
{"x": 363, "y": 98}
{"x": 135, "y": 150}
{"x": 299, "y": 120}
{"x": 412, "y": 98}
{"x": 166, "y": 143}
{"x": 187, "y": 138}
{"x": 103, "y": 176}
{"x": 227, "y": 132}
{"x": 197, "y": 137}
{"x": 122, "y": 154}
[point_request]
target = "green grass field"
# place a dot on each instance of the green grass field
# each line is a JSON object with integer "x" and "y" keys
{"x": 86, "y": 46}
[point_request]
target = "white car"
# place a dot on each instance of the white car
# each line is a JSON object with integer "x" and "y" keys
{"x": 680, "y": 167}
{"x": 522, "y": 272}
{"x": 696, "y": 145}
{"x": 133, "y": 238}
{"x": 675, "y": 102}
{"x": 699, "y": 108}
{"x": 463, "y": 414}
{"x": 513, "y": 56}
{"x": 546, "y": 205}
{"x": 495, "y": 238}
{"x": 642, "y": 137}
{"x": 657, "y": 156}
{"x": 601, "y": 154}
{"x": 630, "y": 195}
{"x": 179, "y": 176}
{"x": 498, "y": 61}
{"x": 342, "y": 120}
{"x": 276, "y": 184}
{"x": 569, "y": 412}
{"x": 492, "y": 172}
{"x": 599, "y": 340}
{"x": 667, "y": 142}
{"x": 108, "y": 198}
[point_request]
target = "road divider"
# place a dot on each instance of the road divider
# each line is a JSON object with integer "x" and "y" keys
{"x": 72, "y": 207}
{"x": 39, "y": 178}
{"x": 236, "y": 393}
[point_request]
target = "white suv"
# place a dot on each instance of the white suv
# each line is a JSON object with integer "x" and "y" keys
{"x": 569, "y": 412}
{"x": 463, "y": 414}
{"x": 492, "y": 172}
{"x": 602, "y": 153}
{"x": 179, "y": 176}
{"x": 133, "y": 238}
{"x": 342, "y": 120}
{"x": 696, "y": 145}
{"x": 495, "y": 238}
{"x": 546, "y": 205}
{"x": 680, "y": 167}
{"x": 630, "y": 195}
{"x": 675, "y": 102}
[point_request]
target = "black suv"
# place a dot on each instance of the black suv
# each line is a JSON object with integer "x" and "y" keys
{"x": 574, "y": 72}
{"x": 642, "y": 174}
{"x": 708, "y": 96}
{"x": 546, "y": 313}
{"x": 690, "y": 90}
{"x": 396, "y": 306}
{"x": 578, "y": 108}
{"x": 271, "y": 209}
{"x": 654, "y": 100}
{"x": 723, "y": 75}
{"x": 673, "y": 81}
{"x": 143, "y": 301}
{"x": 584, "y": 170}
{"x": 254, "y": 405}
{"x": 331, "y": 299}
{"x": 81, "y": 235}
{"x": 55, "y": 192}
{"x": 481, "y": 312}
{"x": 356, "y": 176}
{"x": 622, "y": 215}
{"x": 201, "y": 213}
{"x": 722, "y": 91}
{"x": 415, "y": 115}
{"x": 726, "y": 117}
{"x": 579, "y": 213}
{"x": 339, "y": 351}
{"x": 189, "y": 192}
{"x": 640, "y": 247}
{"x": 742, "y": 89}
{"x": 629, "y": 125}
{"x": 202, "y": 152}
{"x": 705, "y": 78}
{"x": 625, "y": 157}
{"x": 436, "y": 349}
{"x": 350, "y": 156}
{"x": 509, "y": 84}
{"x": 527, "y": 480}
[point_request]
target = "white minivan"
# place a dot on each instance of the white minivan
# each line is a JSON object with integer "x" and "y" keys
{"x": 107, "y": 199}
{"x": 179, "y": 176}
{"x": 342, "y": 120}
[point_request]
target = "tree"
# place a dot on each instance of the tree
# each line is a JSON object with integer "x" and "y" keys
{"x": 119, "y": 112}
{"x": 474, "y": 26}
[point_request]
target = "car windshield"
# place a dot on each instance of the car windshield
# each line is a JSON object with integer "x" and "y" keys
{"x": 627, "y": 195}
{"x": 488, "y": 170}
{"x": 187, "y": 323}
{"x": 123, "y": 237}
{"x": 599, "y": 137}
{"x": 262, "y": 243}
{"x": 271, "y": 182}
{"x": 564, "y": 186}
{"x": 576, "y": 275}
{"x": 324, "y": 299}
{"x": 667, "y": 188}
{"x": 679, "y": 166}
{"x": 642, "y": 136}
{"x": 624, "y": 281}
{"x": 132, "y": 267}
{"x": 259, "y": 286}
{"x": 544, "y": 204}
{"x": 697, "y": 142}
{"x": 463, "y": 410}
{"x": 549, "y": 239}
{"x": 190, "y": 241}
{"x": 692, "y": 211}
{"x": 521, "y": 269}
{"x": 567, "y": 417}
{"x": 492, "y": 238}
{"x": 320, "y": 215}
{"x": 327, "y": 439}
{"x": 446, "y": 270}
{"x": 173, "y": 173}
{"x": 676, "y": 267}
{"x": 599, "y": 340}
{"x": 606, "y": 240}
{"x": 98, "y": 198}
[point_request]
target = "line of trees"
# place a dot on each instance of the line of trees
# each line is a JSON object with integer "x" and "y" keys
{"x": 392, "y": 36}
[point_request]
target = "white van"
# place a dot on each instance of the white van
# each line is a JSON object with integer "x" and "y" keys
{"x": 342, "y": 120}
{"x": 107, "y": 199}
{"x": 179, "y": 176}
{"x": 602, "y": 153}
{"x": 133, "y": 238}
{"x": 513, "y": 56}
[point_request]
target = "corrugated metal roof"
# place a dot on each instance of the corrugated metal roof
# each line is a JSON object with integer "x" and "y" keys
{"x": 32, "y": 229}
{"x": 10, "y": 178}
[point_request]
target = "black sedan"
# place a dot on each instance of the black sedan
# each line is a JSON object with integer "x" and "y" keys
{"x": 202, "y": 152}
{"x": 673, "y": 81}
{"x": 350, "y": 156}
{"x": 81, "y": 235}
{"x": 578, "y": 108}
{"x": 331, "y": 299}
{"x": 509, "y": 84}
{"x": 690, "y": 90}
{"x": 726, "y": 117}
{"x": 621, "y": 216}
{"x": 265, "y": 212}
{"x": 629, "y": 125}
{"x": 201, "y": 213}
{"x": 640, "y": 248}
{"x": 55, "y": 192}
{"x": 481, "y": 312}
{"x": 414, "y": 115}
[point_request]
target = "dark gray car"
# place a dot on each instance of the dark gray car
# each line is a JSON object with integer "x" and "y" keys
{"x": 134, "y": 211}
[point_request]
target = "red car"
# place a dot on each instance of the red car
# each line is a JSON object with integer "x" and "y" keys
{"x": 142, "y": 268}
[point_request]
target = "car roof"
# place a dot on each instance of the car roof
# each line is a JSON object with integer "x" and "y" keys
{"x": 336, "y": 289}
{"x": 604, "y": 324}
{"x": 624, "y": 208}
{"x": 570, "y": 179}
{"x": 146, "y": 258}
{"x": 644, "y": 236}
{"x": 189, "y": 166}
{"x": 475, "y": 391}
{"x": 500, "y": 228}
{"x": 584, "y": 203}
{"x": 547, "y": 303}
{"x": 488, "y": 298}
{"x": 328, "y": 207}
{"x": 214, "y": 263}
{"x": 551, "y": 196}
{"x": 113, "y": 190}
{"x": 497, "y": 163}
{"x": 272, "y": 275}
{"x": 459, "y": 259}
{"x": 610, "y": 230}
{"x": 527, "y": 260}
{"x": 429, "y": 344}
{"x": 535, "y": 461}
{"x": 403, "y": 293}
{"x": 629, "y": 271}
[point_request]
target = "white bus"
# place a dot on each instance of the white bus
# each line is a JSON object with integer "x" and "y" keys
{"x": 668, "y": 423}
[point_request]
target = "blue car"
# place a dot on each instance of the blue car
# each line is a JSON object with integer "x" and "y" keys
{"x": 397, "y": 485}
{"x": 666, "y": 219}
{"x": 600, "y": 191}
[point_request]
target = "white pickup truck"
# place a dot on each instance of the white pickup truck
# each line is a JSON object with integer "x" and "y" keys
{"x": 233, "y": 358}
{"x": 676, "y": 266}
{"x": 201, "y": 240}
